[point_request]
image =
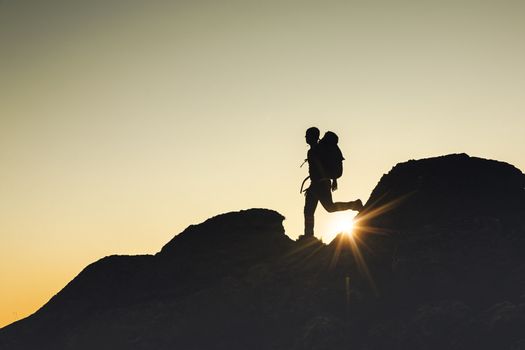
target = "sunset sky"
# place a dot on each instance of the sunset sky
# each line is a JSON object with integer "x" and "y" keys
{"x": 124, "y": 121}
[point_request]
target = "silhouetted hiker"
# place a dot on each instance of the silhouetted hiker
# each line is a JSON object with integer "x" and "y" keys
{"x": 324, "y": 166}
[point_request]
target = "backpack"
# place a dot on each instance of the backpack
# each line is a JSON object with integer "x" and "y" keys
{"x": 331, "y": 156}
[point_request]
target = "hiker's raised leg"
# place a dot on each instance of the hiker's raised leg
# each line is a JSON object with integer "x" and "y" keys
{"x": 325, "y": 197}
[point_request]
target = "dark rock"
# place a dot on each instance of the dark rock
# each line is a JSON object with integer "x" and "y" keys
{"x": 436, "y": 262}
{"x": 445, "y": 189}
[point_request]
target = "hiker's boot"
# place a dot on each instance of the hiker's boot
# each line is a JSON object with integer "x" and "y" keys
{"x": 357, "y": 205}
{"x": 305, "y": 237}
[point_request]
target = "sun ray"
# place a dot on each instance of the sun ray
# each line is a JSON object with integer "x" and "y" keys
{"x": 355, "y": 241}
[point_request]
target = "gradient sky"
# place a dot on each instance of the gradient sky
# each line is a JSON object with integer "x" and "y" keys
{"x": 123, "y": 121}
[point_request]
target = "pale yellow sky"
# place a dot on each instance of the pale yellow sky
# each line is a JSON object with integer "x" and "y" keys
{"x": 124, "y": 121}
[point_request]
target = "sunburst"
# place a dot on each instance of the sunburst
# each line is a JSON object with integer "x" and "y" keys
{"x": 354, "y": 239}
{"x": 340, "y": 222}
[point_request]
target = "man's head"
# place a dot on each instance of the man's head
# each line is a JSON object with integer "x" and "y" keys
{"x": 312, "y": 135}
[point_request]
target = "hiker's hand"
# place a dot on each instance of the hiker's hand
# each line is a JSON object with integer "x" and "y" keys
{"x": 334, "y": 185}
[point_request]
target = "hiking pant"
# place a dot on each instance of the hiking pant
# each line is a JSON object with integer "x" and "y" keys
{"x": 320, "y": 191}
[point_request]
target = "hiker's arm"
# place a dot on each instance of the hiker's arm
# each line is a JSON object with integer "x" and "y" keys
{"x": 334, "y": 185}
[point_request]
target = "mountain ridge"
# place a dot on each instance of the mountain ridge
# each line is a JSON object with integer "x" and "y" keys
{"x": 410, "y": 277}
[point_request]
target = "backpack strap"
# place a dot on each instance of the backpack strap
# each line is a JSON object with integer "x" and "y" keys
{"x": 305, "y": 161}
{"x": 302, "y": 184}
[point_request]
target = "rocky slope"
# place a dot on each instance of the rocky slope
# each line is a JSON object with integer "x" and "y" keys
{"x": 437, "y": 262}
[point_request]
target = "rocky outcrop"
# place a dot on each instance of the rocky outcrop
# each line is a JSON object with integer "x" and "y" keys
{"x": 446, "y": 189}
{"x": 436, "y": 262}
